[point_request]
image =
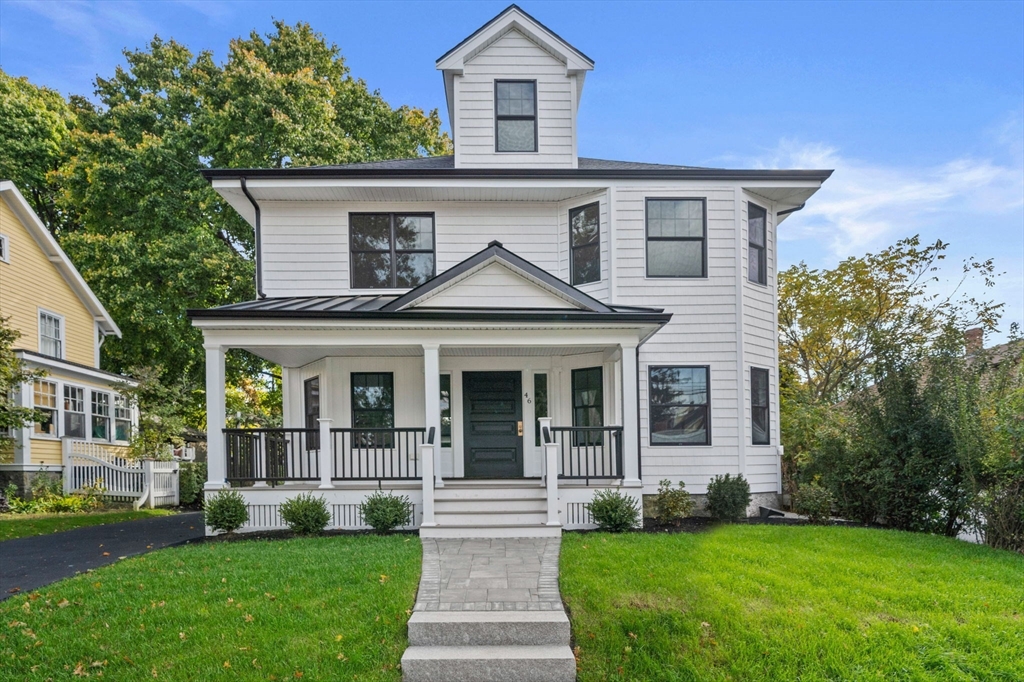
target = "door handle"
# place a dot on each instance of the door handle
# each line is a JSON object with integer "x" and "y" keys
{"x": 520, "y": 427}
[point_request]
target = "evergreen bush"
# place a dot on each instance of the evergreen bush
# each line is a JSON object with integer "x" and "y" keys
{"x": 614, "y": 512}
{"x": 226, "y": 511}
{"x": 384, "y": 511}
{"x": 672, "y": 506}
{"x": 305, "y": 514}
{"x": 814, "y": 501}
{"x": 728, "y": 497}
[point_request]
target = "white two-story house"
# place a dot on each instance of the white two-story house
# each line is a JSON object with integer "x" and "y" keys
{"x": 500, "y": 333}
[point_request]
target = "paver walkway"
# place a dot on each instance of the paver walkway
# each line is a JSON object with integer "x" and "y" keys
{"x": 499, "y": 574}
{"x": 29, "y": 563}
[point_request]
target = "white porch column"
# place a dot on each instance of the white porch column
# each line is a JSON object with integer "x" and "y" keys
{"x": 550, "y": 470}
{"x": 432, "y": 400}
{"x": 23, "y": 436}
{"x": 630, "y": 418}
{"x": 326, "y": 454}
{"x": 427, "y": 469}
{"x": 216, "y": 456}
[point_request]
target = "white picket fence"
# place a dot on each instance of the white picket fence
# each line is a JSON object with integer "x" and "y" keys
{"x": 146, "y": 482}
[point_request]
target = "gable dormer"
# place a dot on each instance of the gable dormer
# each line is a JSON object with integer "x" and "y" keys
{"x": 513, "y": 89}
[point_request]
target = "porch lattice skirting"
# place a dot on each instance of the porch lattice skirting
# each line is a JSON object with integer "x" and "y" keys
{"x": 489, "y": 609}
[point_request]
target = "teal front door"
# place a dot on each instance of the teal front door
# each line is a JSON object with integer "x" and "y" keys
{"x": 492, "y": 410}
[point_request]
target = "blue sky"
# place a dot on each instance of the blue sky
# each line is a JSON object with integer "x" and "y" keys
{"x": 918, "y": 106}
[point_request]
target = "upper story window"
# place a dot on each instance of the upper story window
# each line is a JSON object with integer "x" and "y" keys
{"x": 757, "y": 251}
{"x": 5, "y": 249}
{"x": 585, "y": 243}
{"x": 680, "y": 409}
{"x": 51, "y": 335}
{"x": 515, "y": 121}
{"x": 676, "y": 236}
{"x": 391, "y": 250}
{"x": 44, "y": 401}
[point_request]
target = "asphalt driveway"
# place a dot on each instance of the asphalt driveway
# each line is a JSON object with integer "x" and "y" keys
{"x": 29, "y": 563}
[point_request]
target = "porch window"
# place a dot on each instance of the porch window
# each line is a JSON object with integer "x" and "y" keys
{"x": 44, "y": 400}
{"x": 446, "y": 410}
{"x": 100, "y": 416}
{"x": 391, "y": 250}
{"x": 757, "y": 250}
{"x": 676, "y": 235}
{"x": 74, "y": 411}
{"x": 540, "y": 403}
{"x": 515, "y": 120}
{"x": 679, "y": 406}
{"x": 373, "y": 406}
{"x": 122, "y": 419}
{"x": 760, "y": 435}
{"x": 51, "y": 337}
{"x": 585, "y": 243}
{"x": 311, "y": 404}
{"x": 588, "y": 404}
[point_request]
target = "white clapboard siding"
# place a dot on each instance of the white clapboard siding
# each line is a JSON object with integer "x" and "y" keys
{"x": 495, "y": 286}
{"x": 514, "y": 56}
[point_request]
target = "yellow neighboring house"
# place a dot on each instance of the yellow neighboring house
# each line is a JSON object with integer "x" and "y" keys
{"x": 62, "y": 326}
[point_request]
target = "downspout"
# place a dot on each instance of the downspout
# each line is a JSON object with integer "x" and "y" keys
{"x": 259, "y": 244}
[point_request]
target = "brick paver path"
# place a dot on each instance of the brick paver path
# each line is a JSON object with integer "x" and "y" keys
{"x": 498, "y": 574}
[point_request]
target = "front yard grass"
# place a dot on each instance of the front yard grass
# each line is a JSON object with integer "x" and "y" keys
{"x": 23, "y": 525}
{"x": 757, "y": 602}
{"x": 315, "y": 608}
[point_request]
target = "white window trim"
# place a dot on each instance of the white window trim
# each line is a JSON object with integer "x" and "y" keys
{"x": 62, "y": 429}
{"x": 5, "y": 249}
{"x": 58, "y": 411}
{"x": 63, "y": 332}
{"x": 110, "y": 417}
{"x": 132, "y": 421}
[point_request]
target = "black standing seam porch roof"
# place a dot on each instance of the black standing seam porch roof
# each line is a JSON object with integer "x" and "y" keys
{"x": 392, "y": 306}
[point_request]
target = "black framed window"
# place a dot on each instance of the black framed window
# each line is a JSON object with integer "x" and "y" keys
{"x": 540, "y": 403}
{"x": 74, "y": 411}
{"x": 588, "y": 403}
{"x": 311, "y": 408}
{"x": 585, "y": 243}
{"x": 373, "y": 406}
{"x": 515, "y": 116}
{"x": 446, "y": 410}
{"x": 757, "y": 244}
{"x": 100, "y": 416}
{"x": 680, "y": 405}
{"x": 391, "y": 250}
{"x": 676, "y": 238}
{"x": 759, "y": 431}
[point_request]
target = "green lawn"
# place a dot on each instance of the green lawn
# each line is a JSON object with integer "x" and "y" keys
{"x": 316, "y": 609}
{"x": 23, "y": 525}
{"x": 793, "y": 603}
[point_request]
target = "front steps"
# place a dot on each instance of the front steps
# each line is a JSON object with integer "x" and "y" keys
{"x": 489, "y": 664}
{"x": 504, "y": 508}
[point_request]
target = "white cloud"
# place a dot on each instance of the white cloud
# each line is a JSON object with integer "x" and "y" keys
{"x": 95, "y": 23}
{"x": 865, "y": 205}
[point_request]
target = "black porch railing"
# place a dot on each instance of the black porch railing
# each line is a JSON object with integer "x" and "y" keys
{"x": 272, "y": 455}
{"x": 588, "y": 452}
{"x": 376, "y": 454}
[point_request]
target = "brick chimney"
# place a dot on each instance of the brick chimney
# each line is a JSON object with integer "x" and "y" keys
{"x": 974, "y": 339}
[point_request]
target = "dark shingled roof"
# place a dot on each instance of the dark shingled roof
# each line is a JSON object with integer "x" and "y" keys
{"x": 445, "y": 162}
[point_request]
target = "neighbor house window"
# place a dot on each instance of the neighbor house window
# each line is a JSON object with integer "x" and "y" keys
{"x": 540, "y": 403}
{"x": 446, "y": 410}
{"x": 74, "y": 411}
{"x": 5, "y": 249}
{"x": 311, "y": 404}
{"x": 100, "y": 416}
{"x": 757, "y": 251}
{"x": 44, "y": 399}
{"x": 676, "y": 232}
{"x": 515, "y": 121}
{"x": 391, "y": 250}
{"x": 122, "y": 419}
{"x": 679, "y": 406}
{"x": 760, "y": 434}
{"x": 584, "y": 243}
{"x": 373, "y": 406}
{"x": 588, "y": 403}
{"x": 51, "y": 335}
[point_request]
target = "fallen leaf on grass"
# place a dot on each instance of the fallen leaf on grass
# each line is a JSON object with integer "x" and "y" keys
{"x": 227, "y": 664}
{"x": 63, "y": 604}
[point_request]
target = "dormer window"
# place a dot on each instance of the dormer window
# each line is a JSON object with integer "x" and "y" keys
{"x": 515, "y": 122}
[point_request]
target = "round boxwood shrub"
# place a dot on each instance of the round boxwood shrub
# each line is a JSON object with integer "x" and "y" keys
{"x": 728, "y": 497}
{"x": 305, "y": 514}
{"x": 384, "y": 511}
{"x": 815, "y": 502}
{"x": 672, "y": 505}
{"x": 226, "y": 511}
{"x": 613, "y": 511}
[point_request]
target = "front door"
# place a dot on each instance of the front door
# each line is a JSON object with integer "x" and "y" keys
{"x": 492, "y": 411}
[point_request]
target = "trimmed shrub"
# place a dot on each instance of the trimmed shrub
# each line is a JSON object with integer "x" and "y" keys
{"x": 305, "y": 514}
{"x": 384, "y": 511}
{"x": 226, "y": 511}
{"x": 728, "y": 497}
{"x": 672, "y": 506}
{"x": 191, "y": 479}
{"x": 815, "y": 502}
{"x": 613, "y": 511}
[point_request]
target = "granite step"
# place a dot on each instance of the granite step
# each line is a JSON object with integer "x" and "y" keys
{"x": 489, "y": 628}
{"x": 488, "y": 664}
